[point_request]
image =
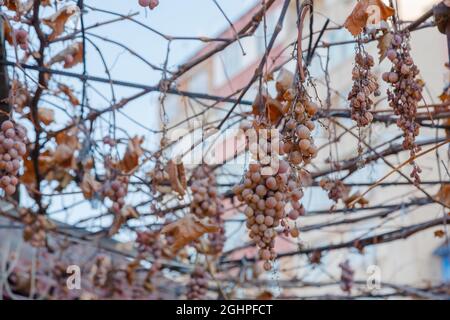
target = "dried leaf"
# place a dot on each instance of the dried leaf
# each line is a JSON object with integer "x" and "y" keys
{"x": 45, "y": 163}
{"x": 439, "y": 233}
{"x": 357, "y": 20}
{"x": 265, "y": 295}
{"x": 57, "y": 21}
{"x": 274, "y": 110}
{"x": 70, "y": 95}
{"x": 64, "y": 156}
{"x": 383, "y": 45}
{"x": 443, "y": 194}
{"x": 285, "y": 81}
{"x": 8, "y": 31}
{"x": 89, "y": 186}
{"x": 46, "y": 116}
{"x": 69, "y": 138}
{"x": 130, "y": 160}
{"x": 271, "y": 108}
{"x": 131, "y": 270}
{"x": 258, "y": 105}
{"x": 60, "y": 175}
{"x": 187, "y": 229}
{"x": 177, "y": 177}
{"x": 18, "y": 5}
{"x": 357, "y": 195}
{"x": 12, "y": 4}
{"x": 129, "y": 212}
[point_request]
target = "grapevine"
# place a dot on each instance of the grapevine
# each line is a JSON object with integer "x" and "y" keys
{"x": 364, "y": 85}
{"x": 404, "y": 94}
{"x": 198, "y": 284}
{"x": 12, "y": 149}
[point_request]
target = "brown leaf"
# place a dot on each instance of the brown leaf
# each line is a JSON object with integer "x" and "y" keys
{"x": 70, "y": 95}
{"x": 383, "y": 45}
{"x": 46, "y": 115}
{"x": 274, "y": 110}
{"x": 187, "y": 229}
{"x": 8, "y": 31}
{"x": 258, "y": 105}
{"x": 60, "y": 175}
{"x": 71, "y": 55}
{"x": 130, "y": 160}
{"x": 443, "y": 194}
{"x": 439, "y": 233}
{"x": 357, "y": 20}
{"x": 270, "y": 107}
{"x": 18, "y": 6}
{"x": 285, "y": 81}
{"x": 89, "y": 186}
{"x": 127, "y": 213}
{"x": 64, "y": 156}
{"x": 12, "y": 4}
{"x": 69, "y": 138}
{"x": 361, "y": 201}
{"x": 45, "y": 163}
{"x": 131, "y": 269}
{"x": 177, "y": 177}
{"x": 265, "y": 295}
{"x": 58, "y": 20}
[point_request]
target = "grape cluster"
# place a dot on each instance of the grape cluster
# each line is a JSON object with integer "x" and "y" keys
{"x": 298, "y": 143}
{"x": 150, "y": 242}
{"x": 364, "y": 85}
{"x": 346, "y": 276}
{"x": 266, "y": 197}
{"x": 116, "y": 189}
{"x": 405, "y": 93}
{"x": 198, "y": 284}
{"x": 152, "y": 4}
{"x": 12, "y": 149}
{"x": 36, "y": 227}
{"x": 217, "y": 239}
{"x": 21, "y": 37}
{"x": 205, "y": 202}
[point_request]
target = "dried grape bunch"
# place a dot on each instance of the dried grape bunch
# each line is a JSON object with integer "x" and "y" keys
{"x": 364, "y": 85}
{"x": 12, "y": 149}
{"x": 150, "y": 242}
{"x": 404, "y": 94}
{"x": 36, "y": 227}
{"x": 205, "y": 202}
{"x": 198, "y": 284}
{"x": 115, "y": 190}
{"x": 298, "y": 143}
{"x": 336, "y": 189}
{"x": 217, "y": 239}
{"x": 266, "y": 196}
{"x": 346, "y": 276}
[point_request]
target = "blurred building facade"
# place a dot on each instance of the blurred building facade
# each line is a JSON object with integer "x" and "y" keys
{"x": 415, "y": 261}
